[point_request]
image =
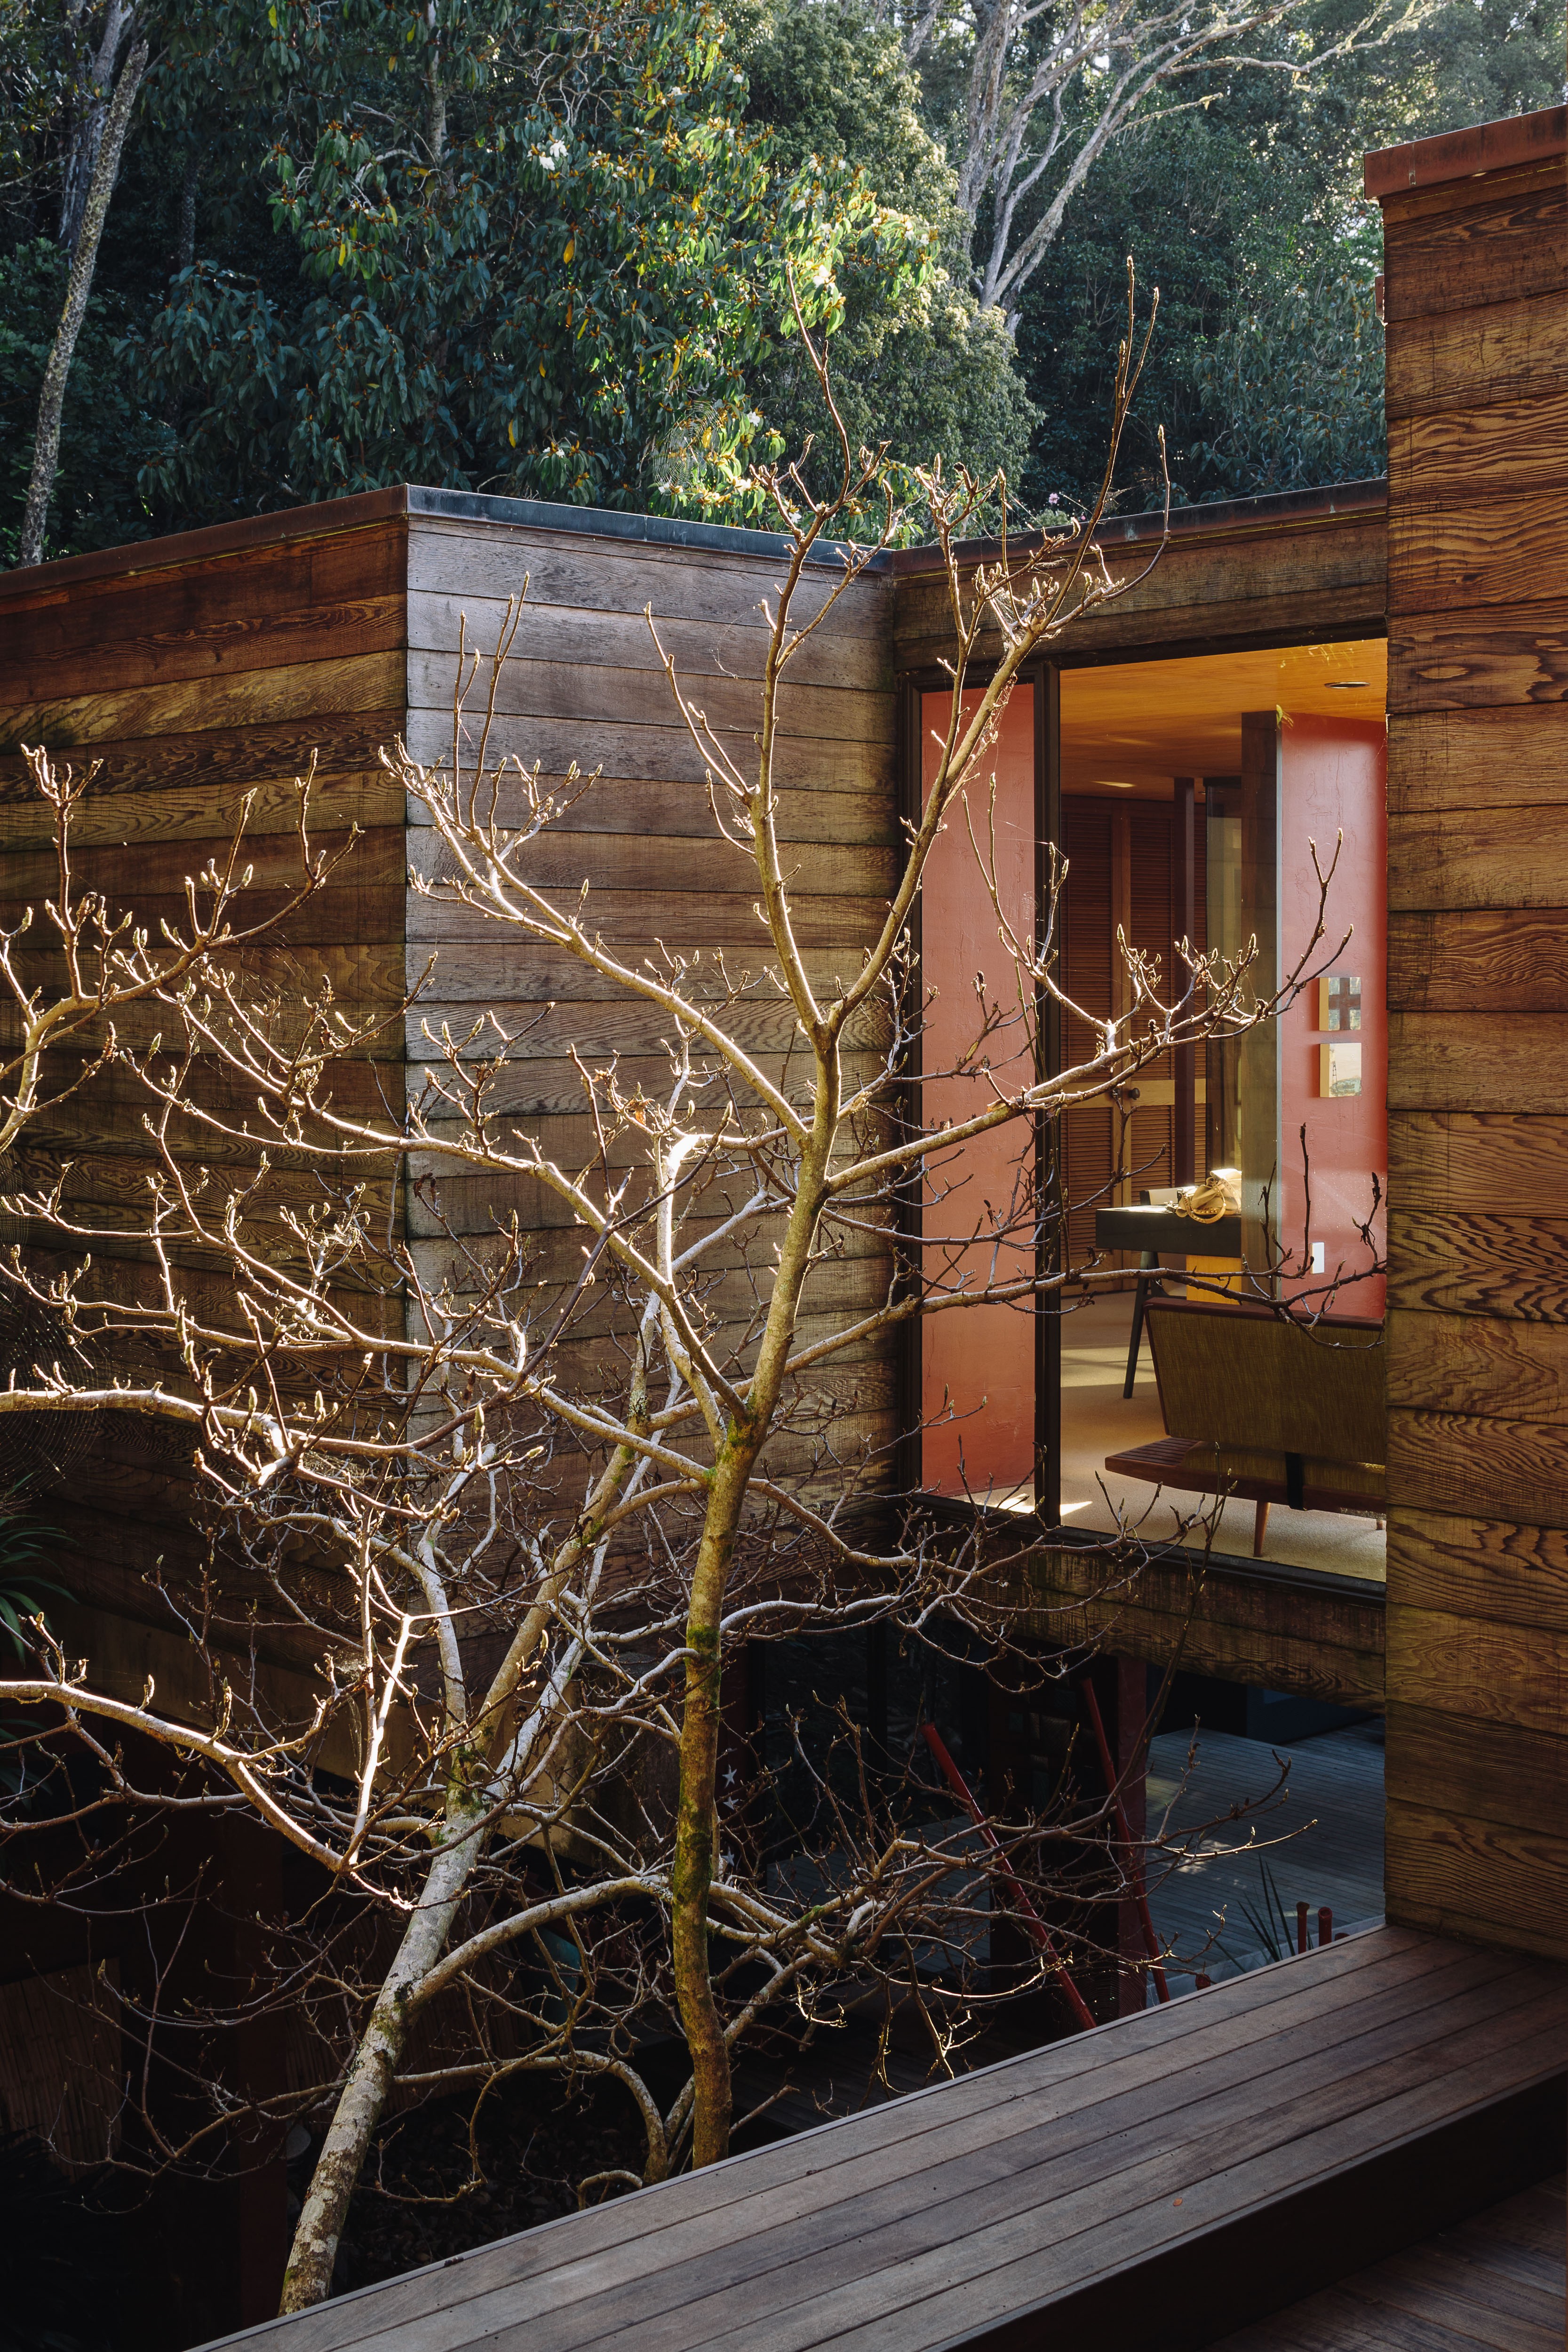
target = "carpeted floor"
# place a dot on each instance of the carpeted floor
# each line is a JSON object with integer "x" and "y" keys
{"x": 1097, "y": 1420}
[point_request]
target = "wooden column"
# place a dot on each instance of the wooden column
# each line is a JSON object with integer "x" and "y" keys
{"x": 1184, "y": 926}
{"x": 1477, "y": 301}
{"x": 1129, "y": 1754}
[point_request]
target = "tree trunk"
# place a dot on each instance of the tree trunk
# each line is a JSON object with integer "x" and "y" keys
{"x": 309, "y": 2277}
{"x": 87, "y": 132}
{"x": 692, "y": 1874}
{"x": 692, "y": 1877}
{"x": 84, "y": 261}
{"x": 185, "y": 239}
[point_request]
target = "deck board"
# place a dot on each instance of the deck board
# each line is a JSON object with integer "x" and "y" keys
{"x": 1098, "y": 2175}
{"x": 1498, "y": 2281}
{"x": 994, "y": 2209}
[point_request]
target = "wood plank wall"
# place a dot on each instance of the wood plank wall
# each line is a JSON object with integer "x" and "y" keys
{"x": 197, "y": 670}
{"x": 584, "y": 684}
{"x": 1477, "y": 300}
{"x": 1277, "y": 570}
{"x": 200, "y": 668}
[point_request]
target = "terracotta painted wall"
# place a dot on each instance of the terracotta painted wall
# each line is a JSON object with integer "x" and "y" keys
{"x": 1333, "y": 780}
{"x": 983, "y": 1358}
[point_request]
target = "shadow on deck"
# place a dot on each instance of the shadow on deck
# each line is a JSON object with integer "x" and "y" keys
{"x": 1204, "y": 2164}
{"x": 1494, "y": 2284}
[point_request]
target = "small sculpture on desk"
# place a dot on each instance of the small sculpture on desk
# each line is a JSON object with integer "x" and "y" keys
{"x": 1218, "y": 1194}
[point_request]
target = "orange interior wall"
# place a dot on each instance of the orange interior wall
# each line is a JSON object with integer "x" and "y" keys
{"x": 1333, "y": 780}
{"x": 980, "y": 1360}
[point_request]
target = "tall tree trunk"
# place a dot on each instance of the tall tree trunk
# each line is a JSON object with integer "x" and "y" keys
{"x": 309, "y": 2277}
{"x": 692, "y": 1875}
{"x": 185, "y": 236}
{"x": 436, "y": 94}
{"x": 87, "y": 130}
{"x": 84, "y": 261}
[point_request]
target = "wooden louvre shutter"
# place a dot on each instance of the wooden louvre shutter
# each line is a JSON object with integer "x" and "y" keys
{"x": 1148, "y": 1158}
{"x": 1087, "y": 1148}
{"x": 1096, "y": 887}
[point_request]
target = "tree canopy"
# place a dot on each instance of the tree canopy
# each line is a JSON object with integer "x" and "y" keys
{"x": 518, "y": 246}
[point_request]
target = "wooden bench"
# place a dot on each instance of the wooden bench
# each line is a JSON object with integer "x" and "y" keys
{"x": 1267, "y": 1410}
{"x": 1157, "y": 2182}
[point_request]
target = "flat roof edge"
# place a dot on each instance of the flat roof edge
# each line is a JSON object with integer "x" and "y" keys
{"x": 312, "y": 522}
{"x": 610, "y": 522}
{"x": 1338, "y": 501}
{"x": 412, "y": 500}
{"x": 1465, "y": 154}
{"x": 327, "y": 515}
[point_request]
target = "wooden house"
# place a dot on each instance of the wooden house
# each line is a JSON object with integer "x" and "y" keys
{"x": 1216, "y": 2160}
{"x": 199, "y": 670}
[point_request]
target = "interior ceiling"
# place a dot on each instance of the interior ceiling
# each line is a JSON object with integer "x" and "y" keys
{"x": 1135, "y": 725}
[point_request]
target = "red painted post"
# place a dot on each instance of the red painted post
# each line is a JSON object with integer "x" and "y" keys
{"x": 1031, "y": 1917}
{"x": 1300, "y": 1926}
{"x": 1325, "y": 1927}
{"x": 1124, "y": 1832}
{"x": 1203, "y": 1982}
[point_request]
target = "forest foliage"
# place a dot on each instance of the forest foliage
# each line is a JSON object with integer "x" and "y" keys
{"x": 544, "y": 250}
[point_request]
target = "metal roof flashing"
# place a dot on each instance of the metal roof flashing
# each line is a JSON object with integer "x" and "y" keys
{"x": 606, "y": 522}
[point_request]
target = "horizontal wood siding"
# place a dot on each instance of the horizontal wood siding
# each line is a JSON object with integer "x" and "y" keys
{"x": 1319, "y": 1637}
{"x": 1477, "y": 293}
{"x": 586, "y": 683}
{"x": 196, "y": 672}
{"x": 1263, "y": 571}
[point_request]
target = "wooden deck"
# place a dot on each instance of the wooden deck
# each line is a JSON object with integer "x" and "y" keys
{"x": 1498, "y": 2283}
{"x": 1211, "y": 2161}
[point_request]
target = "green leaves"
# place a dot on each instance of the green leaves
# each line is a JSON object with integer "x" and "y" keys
{"x": 1298, "y": 383}
{"x": 551, "y": 284}
{"x": 23, "y": 1591}
{"x": 95, "y": 502}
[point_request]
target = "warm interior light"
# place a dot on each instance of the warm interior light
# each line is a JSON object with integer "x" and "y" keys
{"x": 1226, "y": 1173}
{"x": 1109, "y": 784}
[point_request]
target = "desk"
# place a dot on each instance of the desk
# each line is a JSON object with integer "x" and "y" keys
{"x": 1152, "y": 1232}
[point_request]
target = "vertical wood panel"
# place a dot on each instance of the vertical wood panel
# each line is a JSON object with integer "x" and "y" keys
{"x": 1087, "y": 1151}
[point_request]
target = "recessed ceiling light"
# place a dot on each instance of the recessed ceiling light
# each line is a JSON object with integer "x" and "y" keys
{"x": 1346, "y": 685}
{"x": 1109, "y": 784}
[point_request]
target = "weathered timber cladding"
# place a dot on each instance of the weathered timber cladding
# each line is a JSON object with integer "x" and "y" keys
{"x": 1282, "y": 571}
{"x": 1319, "y": 1637}
{"x": 586, "y": 683}
{"x": 1477, "y": 299}
{"x": 197, "y": 671}
{"x": 202, "y": 669}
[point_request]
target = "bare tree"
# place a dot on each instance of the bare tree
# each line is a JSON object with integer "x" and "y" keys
{"x": 512, "y": 1514}
{"x": 1049, "y": 84}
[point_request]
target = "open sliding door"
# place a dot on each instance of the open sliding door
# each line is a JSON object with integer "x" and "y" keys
{"x": 980, "y": 1367}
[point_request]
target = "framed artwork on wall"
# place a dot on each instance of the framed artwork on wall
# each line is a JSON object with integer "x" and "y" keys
{"x": 1340, "y": 1069}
